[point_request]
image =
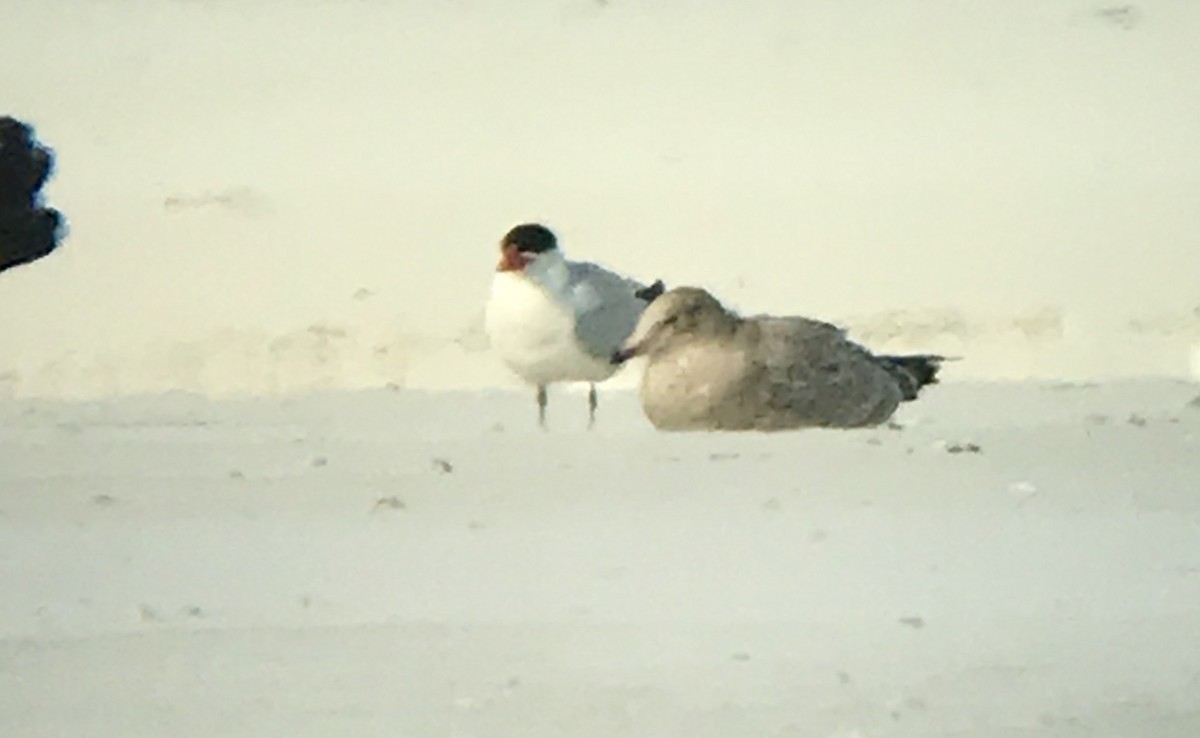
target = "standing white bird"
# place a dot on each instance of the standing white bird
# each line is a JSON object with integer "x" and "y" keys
{"x": 553, "y": 320}
{"x": 708, "y": 368}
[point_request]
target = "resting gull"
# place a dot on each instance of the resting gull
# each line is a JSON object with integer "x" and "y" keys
{"x": 708, "y": 368}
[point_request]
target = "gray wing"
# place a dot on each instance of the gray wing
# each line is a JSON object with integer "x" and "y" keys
{"x": 796, "y": 327}
{"x": 606, "y": 306}
{"x": 795, "y": 347}
{"x": 814, "y": 369}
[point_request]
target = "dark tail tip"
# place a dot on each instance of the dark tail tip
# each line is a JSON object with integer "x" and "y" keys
{"x": 914, "y": 371}
{"x": 651, "y": 293}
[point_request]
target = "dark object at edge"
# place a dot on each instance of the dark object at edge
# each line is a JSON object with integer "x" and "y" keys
{"x": 28, "y": 229}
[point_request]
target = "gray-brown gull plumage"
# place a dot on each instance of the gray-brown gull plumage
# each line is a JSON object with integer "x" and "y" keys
{"x": 711, "y": 369}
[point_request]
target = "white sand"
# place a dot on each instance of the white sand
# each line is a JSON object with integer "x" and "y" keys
{"x": 179, "y": 567}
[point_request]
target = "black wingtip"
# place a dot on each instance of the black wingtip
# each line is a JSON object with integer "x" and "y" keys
{"x": 916, "y": 371}
{"x": 651, "y": 293}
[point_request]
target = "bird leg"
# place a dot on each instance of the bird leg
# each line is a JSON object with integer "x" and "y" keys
{"x": 591, "y": 406}
{"x": 541, "y": 401}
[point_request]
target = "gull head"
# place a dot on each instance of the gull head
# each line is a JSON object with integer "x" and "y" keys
{"x": 673, "y": 319}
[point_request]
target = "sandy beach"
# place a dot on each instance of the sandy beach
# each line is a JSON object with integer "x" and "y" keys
{"x": 262, "y": 475}
{"x": 1008, "y": 560}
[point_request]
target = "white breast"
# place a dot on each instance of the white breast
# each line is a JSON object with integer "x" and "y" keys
{"x": 534, "y": 334}
{"x": 694, "y": 387}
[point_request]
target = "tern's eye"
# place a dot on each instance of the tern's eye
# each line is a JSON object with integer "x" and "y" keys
{"x": 671, "y": 320}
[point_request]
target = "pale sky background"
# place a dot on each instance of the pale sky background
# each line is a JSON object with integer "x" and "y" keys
{"x": 250, "y": 165}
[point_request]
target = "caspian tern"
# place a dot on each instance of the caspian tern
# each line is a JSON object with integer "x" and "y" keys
{"x": 553, "y": 320}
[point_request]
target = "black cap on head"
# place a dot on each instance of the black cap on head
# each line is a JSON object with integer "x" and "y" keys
{"x": 530, "y": 238}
